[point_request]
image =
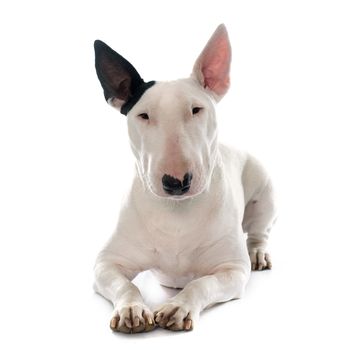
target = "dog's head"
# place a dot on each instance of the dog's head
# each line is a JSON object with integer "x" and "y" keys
{"x": 172, "y": 125}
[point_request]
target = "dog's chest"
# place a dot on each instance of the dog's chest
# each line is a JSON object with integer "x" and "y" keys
{"x": 173, "y": 241}
{"x": 174, "y": 233}
{"x": 174, "y": 260}
{"x": 177, "y": 238}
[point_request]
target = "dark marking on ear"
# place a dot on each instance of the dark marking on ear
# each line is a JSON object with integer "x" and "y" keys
{"x": 126, "y": 107}
{"x": 118, "y": 77}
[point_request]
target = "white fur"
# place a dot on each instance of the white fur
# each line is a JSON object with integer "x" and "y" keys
{"x": 195, "y": 241}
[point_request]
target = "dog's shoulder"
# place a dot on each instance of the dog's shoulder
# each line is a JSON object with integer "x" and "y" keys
{"x": 233, "y": 157}
{"x": 250, "y": 170}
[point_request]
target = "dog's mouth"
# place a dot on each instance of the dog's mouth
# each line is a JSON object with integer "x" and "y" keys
{"x": 188, "y": 189}
{"x": 175, "y": 197}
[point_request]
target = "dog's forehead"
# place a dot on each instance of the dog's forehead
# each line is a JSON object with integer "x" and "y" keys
{"x": 174, "y": 93}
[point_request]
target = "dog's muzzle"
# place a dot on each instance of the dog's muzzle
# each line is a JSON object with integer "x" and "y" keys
{"x": 174, "y": 186}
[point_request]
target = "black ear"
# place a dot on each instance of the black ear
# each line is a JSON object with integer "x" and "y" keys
{"x": 118, "y": 77}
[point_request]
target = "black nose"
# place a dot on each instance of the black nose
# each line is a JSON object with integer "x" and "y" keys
{"x": 174, "y": 186}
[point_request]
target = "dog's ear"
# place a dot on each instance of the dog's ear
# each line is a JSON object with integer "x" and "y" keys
{"x": 119, "y": 79}
{"x": 212, "y": 68}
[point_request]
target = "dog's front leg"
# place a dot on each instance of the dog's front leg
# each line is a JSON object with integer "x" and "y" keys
{"x": 113, "y": 281}
{"x": 182, "y": 311}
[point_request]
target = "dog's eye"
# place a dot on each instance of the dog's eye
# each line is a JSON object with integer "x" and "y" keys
{"x": 143, "y": 116}
{"x": 196, "y": 110}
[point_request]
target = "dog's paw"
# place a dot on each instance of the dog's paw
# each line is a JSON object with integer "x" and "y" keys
{"x": 132, "y": 318}
{"x": 175, "y": 316}
{"x": 260, "y": 259}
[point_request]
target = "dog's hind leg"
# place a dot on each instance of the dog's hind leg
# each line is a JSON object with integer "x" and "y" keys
{"x": 259, "y": 217}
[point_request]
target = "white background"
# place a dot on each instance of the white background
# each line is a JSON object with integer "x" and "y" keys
{"x": 65, "y": 161}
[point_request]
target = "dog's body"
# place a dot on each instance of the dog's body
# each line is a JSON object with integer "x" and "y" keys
{"x": 191, "y": 200}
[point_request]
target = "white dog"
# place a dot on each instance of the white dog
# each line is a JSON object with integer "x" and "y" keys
{"x": 191, "y": 201}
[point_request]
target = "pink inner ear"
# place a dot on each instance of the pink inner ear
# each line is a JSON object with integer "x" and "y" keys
{"x": 214, "y": 62}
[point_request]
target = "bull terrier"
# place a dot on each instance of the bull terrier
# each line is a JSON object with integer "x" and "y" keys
{"x": 198, "y": 214}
